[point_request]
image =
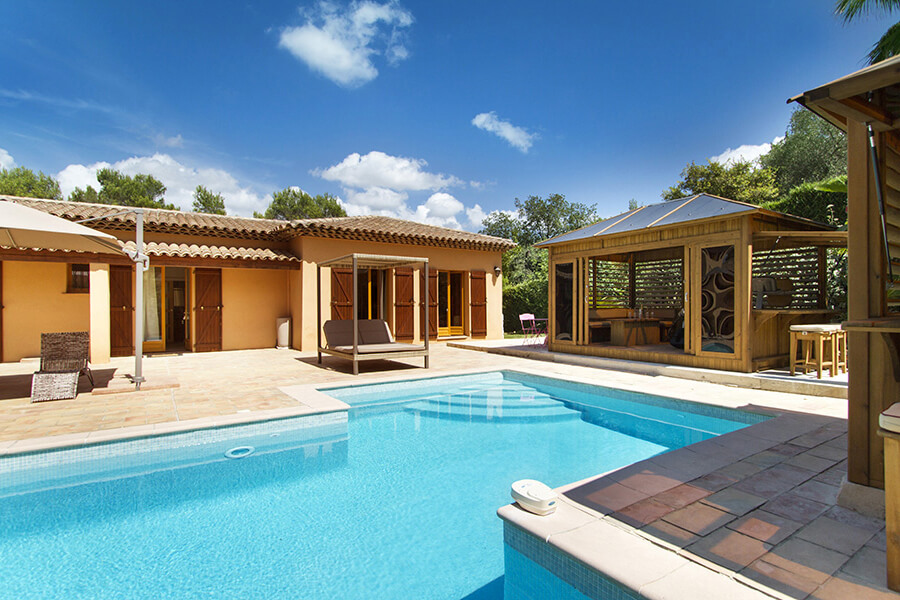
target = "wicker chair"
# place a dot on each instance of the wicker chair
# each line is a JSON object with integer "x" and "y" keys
{"x": 64, "y": 356}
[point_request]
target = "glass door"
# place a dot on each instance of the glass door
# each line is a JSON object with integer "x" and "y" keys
{"x": 563, "y": 297}
{"x": 450, "y": 303}
{"x": 154, "y": 313}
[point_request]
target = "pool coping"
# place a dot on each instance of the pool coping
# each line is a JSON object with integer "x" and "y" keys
{"x": 612, "y": 548}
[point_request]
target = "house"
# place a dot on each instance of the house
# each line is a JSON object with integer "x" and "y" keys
{"x": 730, "y": 277}
{"x": 221, "y": 282}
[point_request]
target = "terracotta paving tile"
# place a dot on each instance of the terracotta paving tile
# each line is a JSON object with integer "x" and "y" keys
{"x": 834, "y": 475}
{"x": 740, "y": 470}
{"x": 818, "y": 491}
{"x": 806, "y": 558}
{"x": 643, "y": 512}
{"x": 735, "y": 501}
{"x": 766, "y": 458}
{"x": 699, "y": 518}
{"x": 785, "y": 581}
{"x": 649, "y": 482}
{"x": 682, "y": 495}
{"x": 605, "y": 496}
{"x": 878, "y": 541}
{"x": 765, "y": 526}
{"x": 794, "y": 507}
{"x": 774, "y": 480}
{"x": 811, "y": 462}
{"x": 729, "y": 549}
{"x": 868, "y": 565}
{"x": 814, "y": 438}
{"x": 787, "y": 449}
{"x": 670, "y": 533}
{"x": 713, "y": 482}
{"x": 841, "y": 537}
{"x": 846, "y": 588}
{"x": 830, "y": 452}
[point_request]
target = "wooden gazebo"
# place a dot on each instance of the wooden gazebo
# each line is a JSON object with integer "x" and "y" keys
{"x": 735, "y": 275}
{"x": 356, "y": 348}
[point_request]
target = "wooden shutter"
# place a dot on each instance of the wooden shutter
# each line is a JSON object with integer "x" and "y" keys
{"x": 432, "y": 303}
{"x": 478, "y": 300}
{"x": 341, "y": 294}
{"x": 404, "y": 304}
{"x": 208, "y": 308}
{"x": 121, "y": 312}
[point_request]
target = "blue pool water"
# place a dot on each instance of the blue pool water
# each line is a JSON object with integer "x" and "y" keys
{"x": 398, "y": 501}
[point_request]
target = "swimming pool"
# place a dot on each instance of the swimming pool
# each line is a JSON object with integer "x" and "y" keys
{"x": 396, "y": 500}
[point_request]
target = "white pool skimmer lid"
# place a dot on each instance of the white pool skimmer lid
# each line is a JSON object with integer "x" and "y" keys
{"x": 534, "y": 496}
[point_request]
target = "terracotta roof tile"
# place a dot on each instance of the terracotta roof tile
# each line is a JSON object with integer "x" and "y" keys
{"x": 387, "y": 229}
{"x": 215, "y": 252}
{"x": 161, "y": 221}
{"x": 365, "y": 228}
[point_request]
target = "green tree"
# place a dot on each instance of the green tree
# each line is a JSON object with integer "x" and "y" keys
{"x": 525, "y": 268}
{"x": 88, "y": 194}
{"x": 141, "y": 190}
{"x": 24, "y": 182}
{"x": 739, "y": 180}
{"x": 816, "y": 201}
{"x": 207, "y": 202}
{"x": 812, "y": 150}
{"x": 293, "y": 203}
{"x": 543, "y": 218}
{"x": 501, "y": 224}
{"x": 889, "y": 43}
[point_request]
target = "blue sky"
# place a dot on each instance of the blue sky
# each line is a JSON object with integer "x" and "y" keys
{"x": 434, "y": 111}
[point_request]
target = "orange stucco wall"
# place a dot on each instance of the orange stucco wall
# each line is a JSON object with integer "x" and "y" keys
{"x": 34, "y": 302}
{"x": 251, "y": 301}
{"x": 314, "y": 250}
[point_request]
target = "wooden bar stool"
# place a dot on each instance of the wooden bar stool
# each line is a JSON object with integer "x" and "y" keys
{"x": 814, "y": 340}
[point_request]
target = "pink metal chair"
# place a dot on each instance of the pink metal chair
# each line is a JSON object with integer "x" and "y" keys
{"x": 534, "y": 330}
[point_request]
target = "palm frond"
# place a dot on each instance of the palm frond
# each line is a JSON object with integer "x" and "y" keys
{"x": 850, "y": 9}
{"x": 887, "y": 46}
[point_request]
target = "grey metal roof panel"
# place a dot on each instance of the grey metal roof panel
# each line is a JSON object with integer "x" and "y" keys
{"x": 705, "y": 207}
{"x": 700, "y": 206}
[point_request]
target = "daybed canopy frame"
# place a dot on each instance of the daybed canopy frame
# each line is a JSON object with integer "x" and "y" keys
{"x": 368, "y": 261}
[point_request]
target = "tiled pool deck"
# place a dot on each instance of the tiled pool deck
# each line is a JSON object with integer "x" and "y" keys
{"x": 752, "y": 513}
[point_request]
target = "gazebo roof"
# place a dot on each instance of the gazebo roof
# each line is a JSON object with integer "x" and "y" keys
{"x": 670, "y": 212}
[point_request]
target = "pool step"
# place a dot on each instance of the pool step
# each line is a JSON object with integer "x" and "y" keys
{"x": 507, "y": 411}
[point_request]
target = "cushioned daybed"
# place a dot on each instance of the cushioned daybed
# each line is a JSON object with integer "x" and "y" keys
{"x": 375, "y": 342}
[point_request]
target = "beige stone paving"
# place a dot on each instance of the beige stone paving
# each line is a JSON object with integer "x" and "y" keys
{"x": 213, "y": 384}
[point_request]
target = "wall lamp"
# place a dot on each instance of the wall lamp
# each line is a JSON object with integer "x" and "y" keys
{"x": 496, "y": 271}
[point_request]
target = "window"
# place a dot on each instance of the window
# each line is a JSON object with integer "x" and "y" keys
{"x": 78, "y": 279}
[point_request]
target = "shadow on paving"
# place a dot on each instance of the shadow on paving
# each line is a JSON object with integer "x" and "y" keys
{"x": 760, "y": 502}
{"x": 19, "y": 386}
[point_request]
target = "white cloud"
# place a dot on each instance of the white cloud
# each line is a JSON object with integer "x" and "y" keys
{"x": 745, "y": 152}
{"x": 340, "y": 42}
{"x": 476, "y": 216}
{"x": 6, "y": 160}
{"x": 443, "y": 206}
{"x": 517, "y": 137}
{"x": 377, "y": 198}
{"x": 171, "y": 142}
{"x": 377, "y": 169}
{"x": 180, "y": 181}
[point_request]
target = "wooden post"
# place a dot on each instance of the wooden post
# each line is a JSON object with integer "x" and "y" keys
{"x": 427, "y": 315}
{"x": 892, "y": 506}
